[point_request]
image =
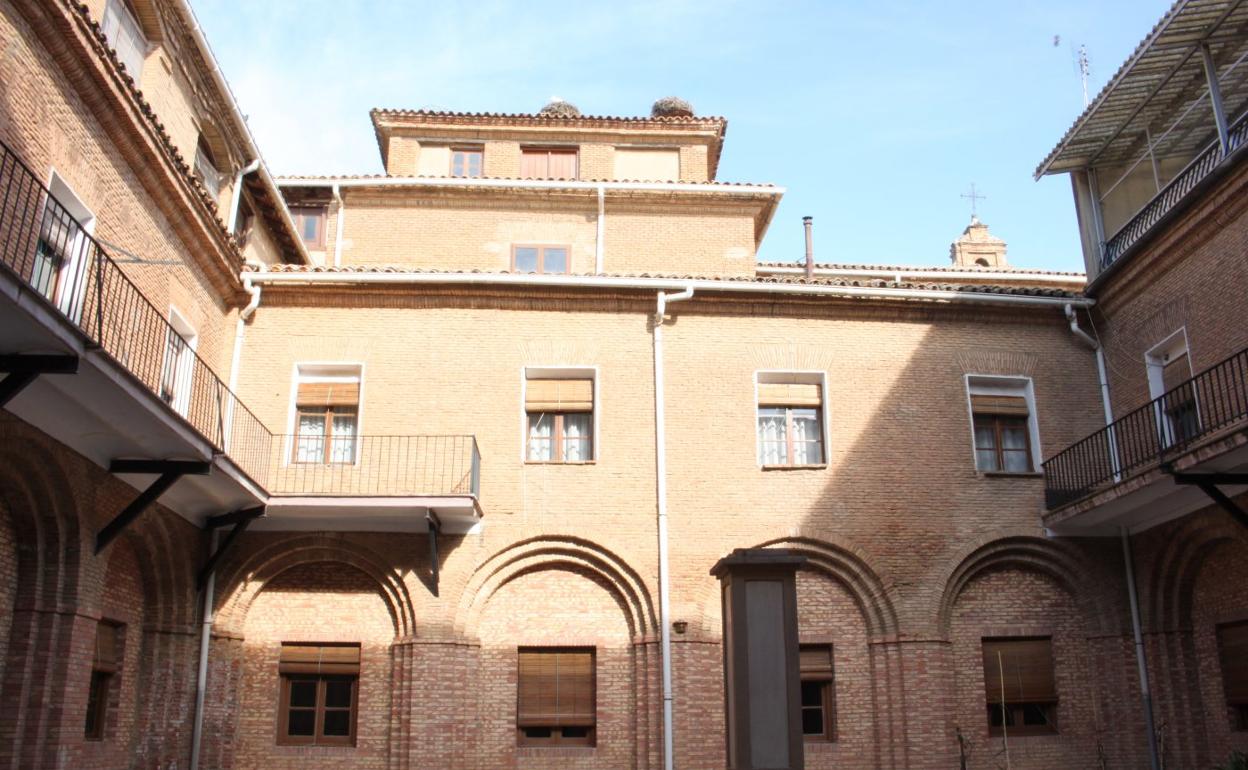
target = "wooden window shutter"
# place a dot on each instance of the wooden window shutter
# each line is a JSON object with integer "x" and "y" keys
{"x": 789, "y": 394}
{"x": 562, "y": 165}
{"x": 105, "y": 656}
{"x": 555, "y": 688}
{"x": 534, "y": 165}
{"x": 815, "y": 658}
{"x": 1176, "y": 371}
{"x": 559, "y": 395}
{"x": 320, "y": 659}
{"x": 1007, "y": 405}
{"x": 1027, "y": 666}
{"x": 328, "y": 394}
{"x": 1233, "y": 654}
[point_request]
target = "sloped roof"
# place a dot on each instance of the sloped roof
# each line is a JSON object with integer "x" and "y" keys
{"x": 1157, "y": 85}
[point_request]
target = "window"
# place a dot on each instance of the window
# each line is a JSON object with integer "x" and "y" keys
{"x": 105, "y": 664}
{"x": 650, "y": 164}
{"x": 547, "y": 163}
{"x": 560, "y": 415}
{"x": 326, "y": 419}
{"x": 790, "y": 420}
{"x": 63, "y": 250}
{"x": 818, "y": 692}
{"x": 178, "y": 367}
{"x": 320, "y": 694}
{"x": 1019, "y": 686}
{"x": 206, "y": 168}
{"x": 310, "y": 222}
{"x": 1169, "y": 381}
{"x": 539, "y": 259}
{"x": 555, "y": 697}
{"x": 1003, "y": 431}
{"x": 1233, "y": 655}
{"x": 121, "y": 28}
{"x": 466, "y": 162}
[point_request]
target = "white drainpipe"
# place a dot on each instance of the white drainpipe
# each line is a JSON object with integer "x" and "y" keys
{"x": 342, "y": 214}
{"x": 660, "y": 464}
{"x": 601, "y": 232}
{"x": 1091, "y": 342}
{"x": 236, "y": 196}
{"x": 201, "y": 683}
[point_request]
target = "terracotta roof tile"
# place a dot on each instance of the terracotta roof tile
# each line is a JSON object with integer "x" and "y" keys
{"x": 1022, "y": 272}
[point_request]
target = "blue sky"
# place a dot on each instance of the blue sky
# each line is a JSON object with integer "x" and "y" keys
{"x": 875, "y": 116}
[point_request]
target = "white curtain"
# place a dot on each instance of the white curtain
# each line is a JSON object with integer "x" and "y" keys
{"x": 343, "y": 447}
{"x": 772, "y": 437}
{"x": 986, "y": 448}
{"x": 577, "y": 431}
{"x": 310, "y": 443}
{"x": 1014, "y": 444}
{"x": 807, "y": 438}
{"x": 541, "y": 436}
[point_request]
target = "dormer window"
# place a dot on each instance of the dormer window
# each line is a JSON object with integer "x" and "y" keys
{"x": 121, "y": 28}
{"x": 548, "y": 163}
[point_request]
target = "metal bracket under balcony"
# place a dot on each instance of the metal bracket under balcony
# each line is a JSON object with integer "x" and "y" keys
{"x": 21, "y": 370}
{"x": 1211, "y": 484}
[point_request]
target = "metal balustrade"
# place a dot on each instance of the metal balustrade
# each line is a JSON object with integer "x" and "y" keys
{"x": 54, "y": 255}
{"x": 1178, "y": 189}
{"x": 1144, "y": 438}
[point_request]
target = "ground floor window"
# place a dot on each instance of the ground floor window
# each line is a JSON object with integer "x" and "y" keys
{"x": 818, "y": 693}
{"x": 320, "y": 694}
{"x": 105, "y": 667}
{"x": 1233, "y": 657}
{"x": 1019, "y": 686}
{"x": 555, "y": 697}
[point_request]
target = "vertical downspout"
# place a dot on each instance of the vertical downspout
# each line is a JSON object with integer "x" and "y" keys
{"x": 342, "y": 214}
{"x": 1106, "y": 407}
{"x": 601, "y": 231}
{"x": 660, "y": 463}
{"x": 201, "y": 683}
{"x": 1146, "y": 694}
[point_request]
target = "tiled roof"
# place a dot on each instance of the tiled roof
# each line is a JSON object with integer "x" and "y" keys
{"x": 330, "y": 178}
{"x": 1022, "y": 272}
{"x": 551, "y": 119}
{"x": 1033, "y": 291}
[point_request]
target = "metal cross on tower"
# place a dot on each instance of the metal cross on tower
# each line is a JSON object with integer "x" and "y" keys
{"x": 974, "y": 198}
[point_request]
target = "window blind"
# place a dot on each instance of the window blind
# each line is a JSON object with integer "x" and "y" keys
{"x": 564, "y": 395}
{"x": 789, "y": 394}
{"x": 320, "y": 659}
{"x": 555, "y": 688}
{"x": 815, "y": 658}
{"x": 328, "y": 394}
{"x": 1233, "y": 653}
{"x": 1008, "y": 405}
{"x": 1176, "y": 371}
{"x": 1025, "y": 667}
{"x": 105, "y": 655}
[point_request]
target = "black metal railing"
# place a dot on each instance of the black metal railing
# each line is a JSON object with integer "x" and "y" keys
{"x": 1144, "y": 438}
{"x": 50, "y": 250}
{"x": 1196, "y": 170}
{"x": 375, "y": 466}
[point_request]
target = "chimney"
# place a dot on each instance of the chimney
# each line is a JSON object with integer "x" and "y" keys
{"x": 807, "y": 222}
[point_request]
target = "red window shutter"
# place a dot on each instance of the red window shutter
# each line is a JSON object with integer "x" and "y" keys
{"x": 562, "y": 165}
{"x": 534, "y": 164}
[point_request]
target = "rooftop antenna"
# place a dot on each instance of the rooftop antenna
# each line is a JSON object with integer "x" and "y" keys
{"x": 1082, "y": 64}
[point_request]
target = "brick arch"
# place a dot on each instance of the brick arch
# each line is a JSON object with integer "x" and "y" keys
{"x": 1026, "y": 552}
{"x": 849, "y": 567}
{"x": 567, "y": 553}
{"x": 1188, "y": 546}
{"x": 244, "y": 581}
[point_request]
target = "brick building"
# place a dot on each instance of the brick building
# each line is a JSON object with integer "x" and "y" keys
{"x": 428, "y": 469}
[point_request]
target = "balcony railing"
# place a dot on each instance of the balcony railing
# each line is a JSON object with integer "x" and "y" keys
{"x": 1200, "y": 167}
{"x": 50, "y": 251}
{"x": 374, "y": 466}
{"x": 1166, "y": 426}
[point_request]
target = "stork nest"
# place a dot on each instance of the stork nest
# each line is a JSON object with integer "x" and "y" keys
{"x": 561, "y": 109}
{"x": 671, "y": 107}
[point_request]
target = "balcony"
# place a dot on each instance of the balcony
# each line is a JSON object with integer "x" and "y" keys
{"x": 1124, "y": 475}
{"x": 1169, "y": 198}
{"x": 128, "y": 384}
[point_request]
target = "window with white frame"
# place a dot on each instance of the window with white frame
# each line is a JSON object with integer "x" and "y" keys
{"x": 178, "y": 362}
{"x": 559, "y": 415}
{"x": 63, "y": 249}
{"x": 121, "y": 28}
{"x": 1170, "y": 385}
{"x": 327, "y": 414}
{"x": 206, "y": 168}
{"x": 1003, "y": 424}
{"x": 790, "y": 424}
